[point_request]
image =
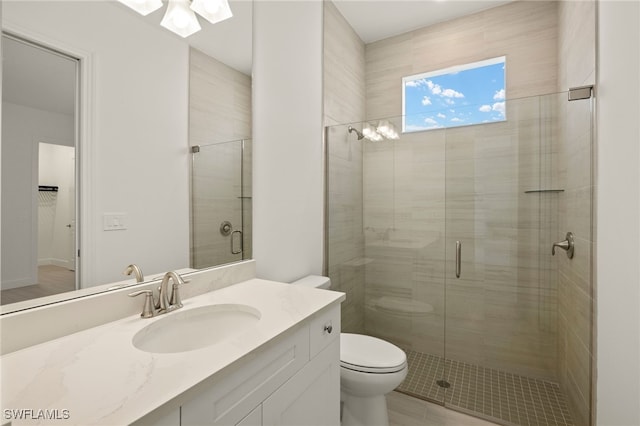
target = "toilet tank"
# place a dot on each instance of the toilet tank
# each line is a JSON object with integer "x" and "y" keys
{"x": 316, "y": 281}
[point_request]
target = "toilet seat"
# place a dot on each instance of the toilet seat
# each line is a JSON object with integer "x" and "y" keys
{"x": 369, "y": 354}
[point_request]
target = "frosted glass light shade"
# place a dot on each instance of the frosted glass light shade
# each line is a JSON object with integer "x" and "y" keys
{"x": 212, "y": 10}
{"x": 180, "y": 19}
{"x": 388, "y": 130}
{"x": 370, "y": 133}
{"x": 143, "y": 7}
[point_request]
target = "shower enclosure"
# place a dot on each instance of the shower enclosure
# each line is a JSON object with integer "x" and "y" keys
{"x": 442, "y": 240}
{"x": 221, "y": 218}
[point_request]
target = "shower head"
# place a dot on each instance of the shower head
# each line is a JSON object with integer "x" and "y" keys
{"x": 352, "y": 129}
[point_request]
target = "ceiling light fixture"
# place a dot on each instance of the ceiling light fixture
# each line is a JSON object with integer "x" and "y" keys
{"x": 179, "y": 16}
{"x": 213, "y": 11}
{"x": 143, "y": 7}
{"x": 180, "y": 19}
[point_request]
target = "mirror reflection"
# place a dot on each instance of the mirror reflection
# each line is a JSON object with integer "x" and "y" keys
{"x": 113, "y": 185}
{"x": 39, "y": 164}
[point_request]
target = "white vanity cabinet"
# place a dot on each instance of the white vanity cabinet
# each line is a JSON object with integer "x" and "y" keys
{"x": 293, "y": 380}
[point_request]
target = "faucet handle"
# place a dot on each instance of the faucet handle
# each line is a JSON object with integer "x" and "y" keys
{"x": 148, "y": 308}
{"x": 175, "y": 299}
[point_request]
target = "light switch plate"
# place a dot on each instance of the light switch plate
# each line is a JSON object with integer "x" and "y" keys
{"x": 114, "y": 221}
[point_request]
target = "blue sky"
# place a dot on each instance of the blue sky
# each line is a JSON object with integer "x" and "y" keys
{"x": 459, "y": 97}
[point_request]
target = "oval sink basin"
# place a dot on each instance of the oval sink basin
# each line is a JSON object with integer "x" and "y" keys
{"x": 191, "y": 329}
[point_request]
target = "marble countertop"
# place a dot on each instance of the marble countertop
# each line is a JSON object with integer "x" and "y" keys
{"x": 99, "y": 377}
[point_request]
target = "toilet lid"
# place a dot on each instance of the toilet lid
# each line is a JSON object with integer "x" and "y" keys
{"x": 370, "y": 354}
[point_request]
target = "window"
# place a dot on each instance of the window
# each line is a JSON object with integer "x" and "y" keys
{"x": 457, "y": 96}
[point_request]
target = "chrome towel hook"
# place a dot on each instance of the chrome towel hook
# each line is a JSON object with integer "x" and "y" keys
{"x": 566, "y": 245}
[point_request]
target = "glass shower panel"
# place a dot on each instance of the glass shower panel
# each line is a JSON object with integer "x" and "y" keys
{"x": 345, "y": 251}
{"x": 497, "y": 305}
{"x": 217, "y": 217}
{"x": 247, "y": 199}
{"x": 385, "y": 245}
{"x": 404, "y": 222}
{"x": 504, "y": 188}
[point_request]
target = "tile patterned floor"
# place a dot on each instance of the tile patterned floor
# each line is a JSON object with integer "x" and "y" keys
{"x": 501, "y": 397}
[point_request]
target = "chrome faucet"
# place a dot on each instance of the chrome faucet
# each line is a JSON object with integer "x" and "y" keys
{"x": 133, "y": 268}
{"x": 165, "y": 302}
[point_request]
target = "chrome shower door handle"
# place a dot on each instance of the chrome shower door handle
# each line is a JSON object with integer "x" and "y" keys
{"x": 566, "y": 245}
{"x": 458, "y": 258}
{"x": 233, "y": 251}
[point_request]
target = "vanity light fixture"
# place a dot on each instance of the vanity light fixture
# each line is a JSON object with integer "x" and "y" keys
{"x": 179, "y": 16}
{"x": 384, "y": 130}
{"x": 369, "y": 132}
{"x": 388, "y": 130}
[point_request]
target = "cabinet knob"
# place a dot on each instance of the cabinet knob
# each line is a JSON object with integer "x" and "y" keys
{"x": 328, "y": 328}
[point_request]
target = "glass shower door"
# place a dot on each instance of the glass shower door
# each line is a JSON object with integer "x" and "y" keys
{"x": 220, "y": 204}
{"x": 504, "y": 189}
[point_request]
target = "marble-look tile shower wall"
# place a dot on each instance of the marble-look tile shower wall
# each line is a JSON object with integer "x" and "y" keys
{"x": 469, "y": 183}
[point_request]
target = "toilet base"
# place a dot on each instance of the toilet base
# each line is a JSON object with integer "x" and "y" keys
{"x": 364, "y": 411}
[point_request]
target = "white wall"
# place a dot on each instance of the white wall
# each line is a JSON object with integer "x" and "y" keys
{"x": 287, "y": 139}
{"x": 618, "y": 228}
{"x": 139, "y": 135}
{"x": 23, "y": 128}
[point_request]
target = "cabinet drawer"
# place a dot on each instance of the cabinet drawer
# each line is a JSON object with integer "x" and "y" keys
{"x": 324, "y": 329}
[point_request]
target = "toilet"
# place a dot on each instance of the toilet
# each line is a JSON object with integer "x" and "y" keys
{"x": 369, "y": 369}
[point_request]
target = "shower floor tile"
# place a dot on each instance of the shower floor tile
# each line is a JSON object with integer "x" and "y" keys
{"x": 501, "y": 397}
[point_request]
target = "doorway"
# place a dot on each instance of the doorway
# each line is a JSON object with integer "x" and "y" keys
{"x": 39, "y": 170}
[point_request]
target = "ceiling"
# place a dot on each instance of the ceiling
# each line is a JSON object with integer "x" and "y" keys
{"x": 37, "y": 78}
{"x": 375, "y": 20}
{"x": 230, "y": 41}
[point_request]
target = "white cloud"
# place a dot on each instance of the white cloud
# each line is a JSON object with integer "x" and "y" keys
{"x": 435, "y": 88}
{"x": 456, "y": 120}
{"x": 449, "y": 101}
{"x": 450, "y": 93}
{"x": 426, "y": 101}
{"x": 416, "y": 83}
{"x": 499, "y": 95}
{"x": 441, "y": 115}
{"x": 430, "y": 120}
{"x": 485, "y": 108}
{"x": 498, "y": 106}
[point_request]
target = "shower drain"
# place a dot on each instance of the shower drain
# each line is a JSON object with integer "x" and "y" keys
{"x": 443, "y": 383}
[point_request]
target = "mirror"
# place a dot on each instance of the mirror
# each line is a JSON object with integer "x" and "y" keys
{"x": 135, "y": 120}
